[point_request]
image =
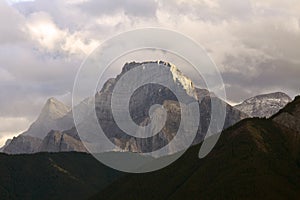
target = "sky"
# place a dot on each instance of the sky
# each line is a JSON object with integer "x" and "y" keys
{"x": 254, "y": 43}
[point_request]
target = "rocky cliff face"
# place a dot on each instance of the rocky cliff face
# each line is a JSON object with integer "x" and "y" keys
{"x": 57, "y": 141}
{"x": 5, "y": 145}
{"x": 150, "y": 94}
{"x": 264, "y": 105}
{"x": 23, "y": 144}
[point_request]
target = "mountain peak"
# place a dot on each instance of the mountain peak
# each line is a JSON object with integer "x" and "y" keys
{"x": 178, "y": 77}
{"x": 274, "y": 95}
{"x": 54, "y": 109}
{"x": 52, "y": 100}
{"x": 264, "y": 105}
{"x": 51, "y": 117}
{"x": 130, "y": 65}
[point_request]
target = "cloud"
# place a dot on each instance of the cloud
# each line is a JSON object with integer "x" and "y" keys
{"x": 42, "y": 43}
{"x": 50, "y": 37}
{"x": 29, "y": 78}
{"x": 254, "y": 43}
{"x": 269, "y": 75}
{"x": 137, "y": 8}
{"x": 42, "y": 29}
{"x": 11, "y": 29}
{"x": 5, "y": 76}
{"x": 10, "y": 126}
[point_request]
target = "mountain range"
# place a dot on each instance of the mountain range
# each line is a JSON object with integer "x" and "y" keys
{"x": 54, "y": 129}
{"x": 256, "y": 158}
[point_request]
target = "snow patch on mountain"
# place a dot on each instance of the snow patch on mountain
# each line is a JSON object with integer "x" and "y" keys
{"x": 264, "y": 105}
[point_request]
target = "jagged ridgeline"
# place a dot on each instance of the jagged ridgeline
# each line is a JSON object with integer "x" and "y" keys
{"x": 54, "y": 130}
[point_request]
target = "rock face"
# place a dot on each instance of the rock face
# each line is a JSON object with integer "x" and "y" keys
{"x": 23, "y": 144}
{"x": 57, "y": 141}
{"x": 52, "y": 117}
{"x": 264, "y": 105}
{"x": 5, "y": 145}
{"x": 150, "y": 94}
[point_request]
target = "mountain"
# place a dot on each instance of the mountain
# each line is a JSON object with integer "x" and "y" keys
{"x": 56, "y": 117}
{"x": 49, "y": 119}
{"x": 146, "y": 96}
{"x": 5, "y": 145}
{"x": 57, "y": 141}
{"x": 289, "y": 116}
{"x": 52, "y": 117}
{"x": 264, "y": 105}
{"x": 254, "y": 159}
{"x": 22, "y": 144}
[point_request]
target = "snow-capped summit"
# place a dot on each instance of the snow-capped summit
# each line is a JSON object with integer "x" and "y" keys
{"x": 264, "y": 105}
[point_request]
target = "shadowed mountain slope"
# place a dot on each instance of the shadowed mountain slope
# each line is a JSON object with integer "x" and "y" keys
{"x": 255, "y": 159}
{"x": 52, "y": 176}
